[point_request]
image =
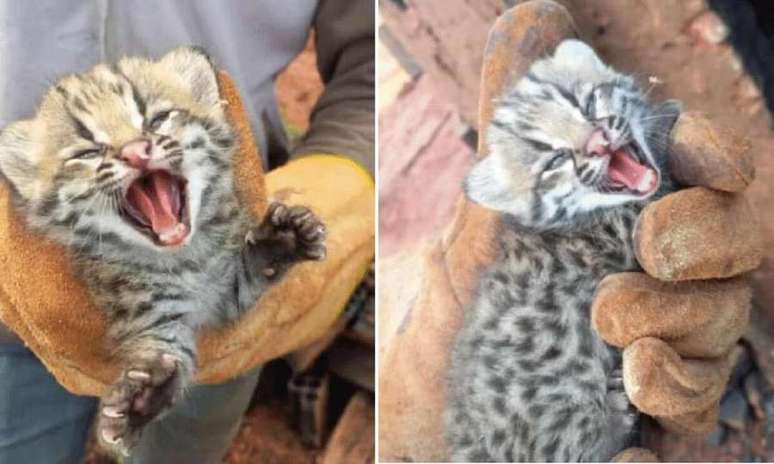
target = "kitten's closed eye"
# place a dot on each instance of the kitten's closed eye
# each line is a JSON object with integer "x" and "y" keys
{"x": 558, "y": 159}
{"x": 591, "y": 103}
{"x": 159, "y": 119}
{"x": 89, "y": 153}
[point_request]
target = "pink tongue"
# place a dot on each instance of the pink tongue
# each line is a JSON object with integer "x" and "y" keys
{"x": 157, "y": 197}
{"x": 625, "y": 170}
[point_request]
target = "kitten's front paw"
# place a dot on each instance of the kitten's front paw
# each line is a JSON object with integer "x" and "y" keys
{"x": 288, "y": 234}
{"x": 144, "y": 391}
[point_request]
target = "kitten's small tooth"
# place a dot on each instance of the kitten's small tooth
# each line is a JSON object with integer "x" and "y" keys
{"x": 646, "y": 184}
{"x": 269, "y": 271}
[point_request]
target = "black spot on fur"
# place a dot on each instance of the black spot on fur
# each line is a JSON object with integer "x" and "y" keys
{"x": 528, "y": 394}
{"x": 550, "y": 449}
{"x": 536, "y": 410}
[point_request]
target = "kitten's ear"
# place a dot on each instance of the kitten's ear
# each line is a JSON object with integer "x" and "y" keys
{"x": 16, "y": 158}
{"x": 487, "y": 185}
{"x": 194, "y": 66}
{"x": 577, "y": 54}
{"x": 665, "y": 116}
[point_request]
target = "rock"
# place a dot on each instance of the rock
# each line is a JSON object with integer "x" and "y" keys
{"x": 636, "y": 455}
{"x": 742, "y": 362}
{"x": 754, "y": 393}
{"x": 716, "y": 437}
{"x": 734, "y": 411}
{"x": 693, "y": 6}
{"x": 768, "y": 406}
{"x": 761, "y": 343}
{"x": 736, "y": 63}
{"x": 708, "y": 28}
{"x": 747, "y": 89}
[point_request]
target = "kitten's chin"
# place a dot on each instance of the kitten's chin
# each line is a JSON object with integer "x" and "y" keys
{"x": 155, "y": 204}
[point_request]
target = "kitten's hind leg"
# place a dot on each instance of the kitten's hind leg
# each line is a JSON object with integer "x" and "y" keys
{"x": 613, "y": 429}
{"x": 154, "y": 381}
{"x": 624, "y": 414}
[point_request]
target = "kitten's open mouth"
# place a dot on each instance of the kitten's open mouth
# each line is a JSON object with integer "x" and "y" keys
{"x": 155, "y": 204}
{"x": 627, "y": 172}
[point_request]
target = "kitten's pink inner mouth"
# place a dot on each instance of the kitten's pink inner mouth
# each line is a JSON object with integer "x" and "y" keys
{"x": 624, "y": 169}
{"x": 157, "y": 201}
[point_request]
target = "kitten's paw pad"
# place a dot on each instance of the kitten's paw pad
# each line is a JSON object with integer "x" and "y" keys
{"x": 294, "y": 229}
{"x": 144, "y": 391}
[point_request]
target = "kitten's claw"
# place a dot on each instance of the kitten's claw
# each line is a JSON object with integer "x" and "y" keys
{"x": 113, "y": 411}
{"x": 289, "y": 233}
{"x": 108, "y": 438}
{"x": 250, "y": 237}
{"x": 277, "y": 213}
{"x": 269, "y": 272}
{"x": 143, "y": 392}
{"x": 615, "y": 380}
{"x": 138, "y": 375}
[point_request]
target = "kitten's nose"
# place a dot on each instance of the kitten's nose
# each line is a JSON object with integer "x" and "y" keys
{"x": 598, "y": 144}
{"x": 136, "y": 153}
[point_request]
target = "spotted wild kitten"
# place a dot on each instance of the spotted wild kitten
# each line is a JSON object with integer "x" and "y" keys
{"x": 575, "y": 153}
{"x": 129, "y": 166}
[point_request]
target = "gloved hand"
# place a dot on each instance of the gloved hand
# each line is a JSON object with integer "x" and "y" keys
{"x": 695, "y": 234}
{"x": 679, "y": 321}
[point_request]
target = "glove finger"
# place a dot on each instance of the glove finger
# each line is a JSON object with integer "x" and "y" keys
{"x": 635, "y": 455}
{"x": 692, "y": 423}
{"x": 660, "y": 383}
{"x": 703, "y": 153}
{"x": 701, "y": 319}
{"x": 521, "y": 35}
{"x": 698, "y": 233}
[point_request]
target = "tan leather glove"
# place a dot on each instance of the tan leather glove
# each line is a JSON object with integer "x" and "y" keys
{"x": 693, "y": 234}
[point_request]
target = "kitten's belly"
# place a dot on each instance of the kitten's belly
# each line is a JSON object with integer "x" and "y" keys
{"x": 211, "y": 292}
{"x": 528, "y": 345}
{"x": 505, "y": 374}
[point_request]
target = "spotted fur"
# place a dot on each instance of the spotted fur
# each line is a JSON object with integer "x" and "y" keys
{"x": 68, "y": 183}
{"x": 530, "y": 380}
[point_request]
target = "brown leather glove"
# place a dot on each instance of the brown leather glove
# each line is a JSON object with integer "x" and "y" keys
{"x": 693, "y": 234}
{"x": 678, "y": 323}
